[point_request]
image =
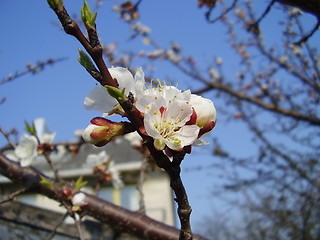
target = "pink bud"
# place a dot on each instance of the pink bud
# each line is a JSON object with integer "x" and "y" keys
{"x": 101, "y": 131}
{"x": 206, "y": 128}
{"x": 67, "y": 192}
{"x": 205, "y": 110}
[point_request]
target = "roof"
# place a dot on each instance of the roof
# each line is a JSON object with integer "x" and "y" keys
{"x": 120, "y": 150}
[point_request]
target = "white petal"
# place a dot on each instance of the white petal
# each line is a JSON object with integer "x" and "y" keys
{"x": 115, "y": 177}
{"x": 86, "y": 133}
{"x": 179, "y": 112}
{"x": 143, "y": 104}
{"x": 43, "y": 132}
{"x": 134, "y": 138}
{"x": 187, "y": 135}
{"x": 139, "y": 83}
{"x": 26, "y": 161}
{"x": 94, "y": 159}
{"x": 185, "y": 95}
{"x": 79, "y": 199}
{"x": 200, "y": 142}
{"x": 11, "y": 155}
{"x": 139, "y": 75}
{"x": 100, "y": 100}
{"x": 170, "y": 92}
{"x": 204, "y": 108}
{"x": 27, "y": 147}
{"x": 151, "y": 119}
{"x": 124, "y": 78}
{"x": 47, "y": 137}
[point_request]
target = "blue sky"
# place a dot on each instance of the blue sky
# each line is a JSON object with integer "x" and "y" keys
{"x": 30, "y": 33}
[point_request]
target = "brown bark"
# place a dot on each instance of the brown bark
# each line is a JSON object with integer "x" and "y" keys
{"x": 119, "y": 219}
{"x": 311, "y": 6}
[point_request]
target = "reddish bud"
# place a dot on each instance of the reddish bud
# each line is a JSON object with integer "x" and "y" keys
{"x": 67, "y": 192}
{"x": 206, "y": 128}
{"x": 101, "y": 131}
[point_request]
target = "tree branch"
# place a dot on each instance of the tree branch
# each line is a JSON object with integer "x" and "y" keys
{"x": 118, "y": 218}
{"x": 311, "y": 6}
{"x": 94, "y": 49}
{"x": 241, "y": 96}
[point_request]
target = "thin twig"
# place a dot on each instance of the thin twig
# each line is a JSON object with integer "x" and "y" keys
{"x": 266, "y": 11}
{"x": 77, "y": 220}
{"x": 173, "y": 169}
{"x": 40, "y": 65}
{"x": 309, "y": 35}
{"x": 54, "y": 231}
{"x": 11, "y": 196}
{"x": 208, "y": 13}
{"x": 313, "y": 120}
{"x": 94, "y": 49}
{"x": 118, "y": 218}
{"x": 143, "y": 168}
{"x": 7, "y": 136}
{"x": 53, "y": 168}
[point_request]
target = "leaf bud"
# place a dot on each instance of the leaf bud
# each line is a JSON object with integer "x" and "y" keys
{"x": 85, "y": 60}
{"x": 55, "y": 4}
{"x": 88, "y": 18}
{"x": 116, "y": 93}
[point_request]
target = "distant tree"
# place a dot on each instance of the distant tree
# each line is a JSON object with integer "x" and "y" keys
{"x": 275, "y": 96}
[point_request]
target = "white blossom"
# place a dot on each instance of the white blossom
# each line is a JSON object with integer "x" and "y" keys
{"x": 43, "y": 132}
{"x": 204, "y": 109}
{"x": 174, "y": 118}
{"x": 115, "y": 176}
{"x": 134, "y": 138}
{"x": 100, "y": 100}
{"x": 26, "y": 151}
{"x": 168, "y": 93}
{"x": 79, "y": 199}
{"x": 95, "y": 159}
{"x": 166, "y": 123}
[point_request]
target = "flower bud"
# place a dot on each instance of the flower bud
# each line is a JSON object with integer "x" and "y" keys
{"x": 205, "y": 110}
{"x": 67, "y": 192}
{"x": 79, "y": 199}
{"x": 85, "y": 61}
{"x": 55, "y": 4}
{"x": 101, "y": 131}
{"x": 87, "y": 16}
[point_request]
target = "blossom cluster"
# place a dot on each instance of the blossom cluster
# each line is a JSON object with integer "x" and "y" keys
{"x": 175, "y": 119}
{"x": 31, "y": 145}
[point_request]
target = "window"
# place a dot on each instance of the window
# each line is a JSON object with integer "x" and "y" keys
{"x": 126, "y": 197}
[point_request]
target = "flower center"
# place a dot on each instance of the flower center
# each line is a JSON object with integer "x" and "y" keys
{"x": 167, "y": 129}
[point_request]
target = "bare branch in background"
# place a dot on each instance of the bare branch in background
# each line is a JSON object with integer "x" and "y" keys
{"x": 13, "y": 195}
{"x": 31, "y": 69}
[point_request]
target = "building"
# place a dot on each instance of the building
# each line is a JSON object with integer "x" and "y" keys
{"x": 158, "y": 199}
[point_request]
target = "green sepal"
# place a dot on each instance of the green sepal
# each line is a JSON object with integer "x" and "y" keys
{"x": 75, "y": 208}
{"x": 31, "y": 129}
{"x": 85, "y": 60}
{"x": 45, "y": 182}
{"x": 87, "y": 16}
{"x": 116, "y": 93}
{"x": 79, "y": 184}
{"x": 55, "y": 4}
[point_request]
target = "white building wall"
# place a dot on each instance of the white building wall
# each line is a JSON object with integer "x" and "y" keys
{"x": 158, "y": 198}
